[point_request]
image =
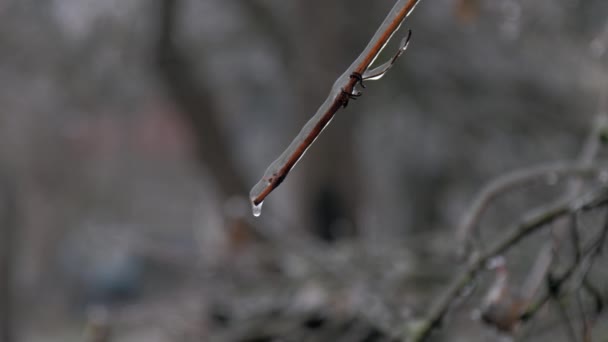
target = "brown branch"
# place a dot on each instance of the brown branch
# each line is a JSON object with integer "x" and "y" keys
{"x": 516, "y": 233}
{"x": 342, "y": 91}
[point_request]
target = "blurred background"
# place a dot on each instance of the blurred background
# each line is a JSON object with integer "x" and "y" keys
{"x": 131, "y": 132}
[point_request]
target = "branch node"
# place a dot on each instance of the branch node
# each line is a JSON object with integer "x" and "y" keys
{"x": 357, "y": 76}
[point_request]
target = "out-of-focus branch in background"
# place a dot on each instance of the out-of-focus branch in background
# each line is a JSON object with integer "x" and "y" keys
{"x": 468, "y": 227}
{"x": 528, "y": 225}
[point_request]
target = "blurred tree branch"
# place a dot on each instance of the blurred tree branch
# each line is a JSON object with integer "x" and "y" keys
{"x": 467, "y": 230}
{"x": 561, "y": 227}
{"x": 528, "y": 225}
{"x": 556, "y": 283}
{"x": 584, "y": 166}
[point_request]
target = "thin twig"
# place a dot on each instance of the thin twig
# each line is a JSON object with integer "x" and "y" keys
{"x": 598, "y": 299}
{"x": 514, "y": 180}
{"x": 588, "y": 254}
{"x": 528, "y": 225}
{"x": 561, "y": 227}
{"x": 596, "y": 250}
{"x": 342, "y": 91}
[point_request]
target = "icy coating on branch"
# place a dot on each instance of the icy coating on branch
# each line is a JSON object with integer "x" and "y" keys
{"x": 278, "y": 170}
{"x": 342, "y": 91}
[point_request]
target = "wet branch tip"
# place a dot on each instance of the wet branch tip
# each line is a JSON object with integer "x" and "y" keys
{"x": 343, "y": 90}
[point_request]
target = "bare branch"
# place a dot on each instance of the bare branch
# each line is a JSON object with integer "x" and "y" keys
{"x": 557, "y": 283}
{"x": 342, "y": 91}
{"x": 561, "y": 227}
{"x": 514, "y": 180}
{"x": 527, "y": 226}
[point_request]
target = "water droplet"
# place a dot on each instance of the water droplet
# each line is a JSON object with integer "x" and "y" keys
{"x": 256, "y": 209}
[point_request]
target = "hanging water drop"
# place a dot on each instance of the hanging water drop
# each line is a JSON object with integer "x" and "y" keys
{"x": 256, "y": 208}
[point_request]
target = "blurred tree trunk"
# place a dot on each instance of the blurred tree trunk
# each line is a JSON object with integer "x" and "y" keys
{"x": 196, "y": 103}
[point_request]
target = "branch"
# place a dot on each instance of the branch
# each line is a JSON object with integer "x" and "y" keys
{"x": 516, "y": 233}
{"x": 561, "y": 227}
{"x": 514, "y": 180}
{"x": 556, "y": 283}
{"x": 342, "y": 91}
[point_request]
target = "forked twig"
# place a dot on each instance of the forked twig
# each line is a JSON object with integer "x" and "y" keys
{"x": 517, "y": 179}
{"x": 591, "y": 251}
{"x": 562, "y": 227}
{"x": 342, "y": 91}
{"x": 527, "y": 226}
